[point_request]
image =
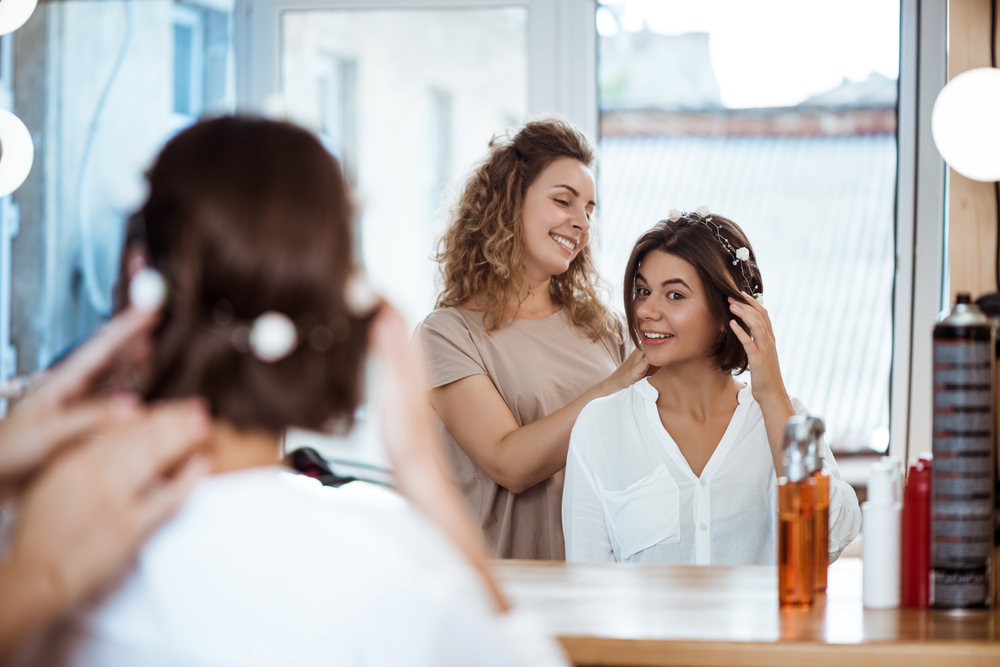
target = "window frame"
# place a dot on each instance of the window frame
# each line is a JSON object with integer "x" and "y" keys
{"x": 918, "y": 290}
{"x": 9, "y": 227}
{"x": 190, "y": 16}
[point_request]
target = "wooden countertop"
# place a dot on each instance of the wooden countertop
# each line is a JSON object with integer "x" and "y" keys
{"x": 632, "y": 615}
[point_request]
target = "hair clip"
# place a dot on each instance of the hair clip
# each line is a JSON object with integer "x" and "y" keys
{"x": 147, "y": 290}
{"x": 272, "y": 337}
{"x": 360, "y": 298}
{"x": 703, "y": 214}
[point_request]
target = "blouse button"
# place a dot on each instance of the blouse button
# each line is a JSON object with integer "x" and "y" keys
{"x": 704, "y": 526}
{"x": 704, "y": 483}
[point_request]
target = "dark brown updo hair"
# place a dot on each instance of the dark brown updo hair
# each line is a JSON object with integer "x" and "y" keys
{"x": 702, "y": 243}
{"x": 246, "y": 216}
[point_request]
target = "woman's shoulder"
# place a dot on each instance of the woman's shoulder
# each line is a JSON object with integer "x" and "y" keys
{"x": 451, "y": 320}
{"x": 606, "y": 412}
{"x": 262, "y": 517}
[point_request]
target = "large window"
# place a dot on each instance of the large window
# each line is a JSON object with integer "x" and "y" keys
{"x": 408, "y": 100}
{"x": 768, "y": 114}
{"x": 101, "y": 85}
{"x": 781, "y": 114}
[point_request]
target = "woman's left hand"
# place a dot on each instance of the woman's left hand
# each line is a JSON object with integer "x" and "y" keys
{"x": 766, "y": 383}
{"x": 760, "y": 347}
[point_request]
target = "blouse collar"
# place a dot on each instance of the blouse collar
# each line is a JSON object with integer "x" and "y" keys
{"x": 649, "y": 393}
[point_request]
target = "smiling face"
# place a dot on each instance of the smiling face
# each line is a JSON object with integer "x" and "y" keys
{"x": 672, "y": 311}
{"x": 556, "y": 217}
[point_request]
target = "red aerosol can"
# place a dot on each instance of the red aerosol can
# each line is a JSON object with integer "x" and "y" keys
{"x": 917, "y": 535}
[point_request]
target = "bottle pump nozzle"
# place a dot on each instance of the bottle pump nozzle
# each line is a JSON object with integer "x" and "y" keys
{"x": 801, "y": 448}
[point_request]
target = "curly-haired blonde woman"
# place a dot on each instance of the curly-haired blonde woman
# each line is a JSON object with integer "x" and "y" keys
{"x": 520, "y": 341}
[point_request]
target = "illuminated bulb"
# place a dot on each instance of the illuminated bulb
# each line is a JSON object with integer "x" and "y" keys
{"x": 147, "y": 289}
{"x": 13, "y": 14}
{"x": 273, "y": 337}
{"x": 17, "y": 151}
{"x": 965, "y": 126}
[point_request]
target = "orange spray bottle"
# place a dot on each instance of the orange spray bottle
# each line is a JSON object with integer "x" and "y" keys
{"x": 821, "y": 502}
{"x": 796, "y": 524}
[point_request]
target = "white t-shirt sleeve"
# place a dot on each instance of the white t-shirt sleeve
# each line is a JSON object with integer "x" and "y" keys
{"x": 584, "y": 526}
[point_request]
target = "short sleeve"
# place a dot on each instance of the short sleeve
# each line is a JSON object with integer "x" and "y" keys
{"x": 617, "y": 341}
{"x": 449, "y": 348}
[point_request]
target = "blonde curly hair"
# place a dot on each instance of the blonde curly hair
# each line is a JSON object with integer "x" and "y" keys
{"x": 481, "y": 253}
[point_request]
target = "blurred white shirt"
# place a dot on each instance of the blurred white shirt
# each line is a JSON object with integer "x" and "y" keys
{"x": 630, "y": 495}
{"x": 265, "y": 567}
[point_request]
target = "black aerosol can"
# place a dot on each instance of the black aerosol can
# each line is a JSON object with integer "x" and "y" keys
{"x": 962, "y": 476}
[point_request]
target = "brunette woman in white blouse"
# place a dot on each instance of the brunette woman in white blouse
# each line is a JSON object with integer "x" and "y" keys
{"x": 682, "y": 467}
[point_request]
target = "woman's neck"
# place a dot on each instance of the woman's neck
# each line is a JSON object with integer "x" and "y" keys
{"x": 537, "y": 304}
{"x": 697, "y": 388}
{"x": 232, "y": 449}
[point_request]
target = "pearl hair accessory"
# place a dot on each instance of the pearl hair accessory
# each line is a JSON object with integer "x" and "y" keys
{"x": 147, "y": 290}
{"x": 273, "y": 337}
{"x": 703, "y": 214}
{"x": 361, "y": 299}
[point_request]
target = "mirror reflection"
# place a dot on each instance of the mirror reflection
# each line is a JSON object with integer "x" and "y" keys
{"x": 368, "y": 330}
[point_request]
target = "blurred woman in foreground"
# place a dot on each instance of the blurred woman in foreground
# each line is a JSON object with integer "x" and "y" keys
{"x": 248, "y": 221}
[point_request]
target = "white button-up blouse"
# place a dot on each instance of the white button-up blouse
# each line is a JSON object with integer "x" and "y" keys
{"x": 630, "y": 495}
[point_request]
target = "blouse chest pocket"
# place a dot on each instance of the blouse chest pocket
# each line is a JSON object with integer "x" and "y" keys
{"x": 644, "y": 514}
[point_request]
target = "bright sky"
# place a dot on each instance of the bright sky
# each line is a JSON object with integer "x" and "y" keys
{"x": 777, "y": 52}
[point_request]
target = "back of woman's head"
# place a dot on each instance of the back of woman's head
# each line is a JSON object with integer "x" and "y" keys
{"x": 722, "y": 255}
{"x": 247, "y": 216}
{"x": 482, "y": 252}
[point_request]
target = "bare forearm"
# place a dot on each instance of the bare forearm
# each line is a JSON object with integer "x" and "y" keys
{"x": 29, "y": 602}
{"x": 533, "y": 453}
{"x": 777, "y": 411}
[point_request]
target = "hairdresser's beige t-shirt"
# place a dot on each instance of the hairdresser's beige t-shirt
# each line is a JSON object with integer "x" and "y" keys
{"x": 538, "y": 367}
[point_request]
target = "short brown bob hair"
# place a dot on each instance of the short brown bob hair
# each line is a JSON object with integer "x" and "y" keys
{"x": 699, "y": 241}
{"x": 246, "y": 216}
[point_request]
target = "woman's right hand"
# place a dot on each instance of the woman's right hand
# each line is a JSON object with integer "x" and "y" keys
{"x": 633, "y": 369}
{"x": 62, "y": 407}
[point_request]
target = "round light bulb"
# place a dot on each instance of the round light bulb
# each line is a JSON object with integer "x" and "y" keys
{"x": 965, "y": 124}
{"x": 17, "y": 151}
{"x": 13, "y": 14}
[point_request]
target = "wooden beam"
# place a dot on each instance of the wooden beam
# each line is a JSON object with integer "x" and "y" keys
{"x": 972, "y": 206}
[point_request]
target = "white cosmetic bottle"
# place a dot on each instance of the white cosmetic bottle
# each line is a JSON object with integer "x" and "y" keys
{"x": 882, "y": 542}
{"x": 896, "y": 465}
